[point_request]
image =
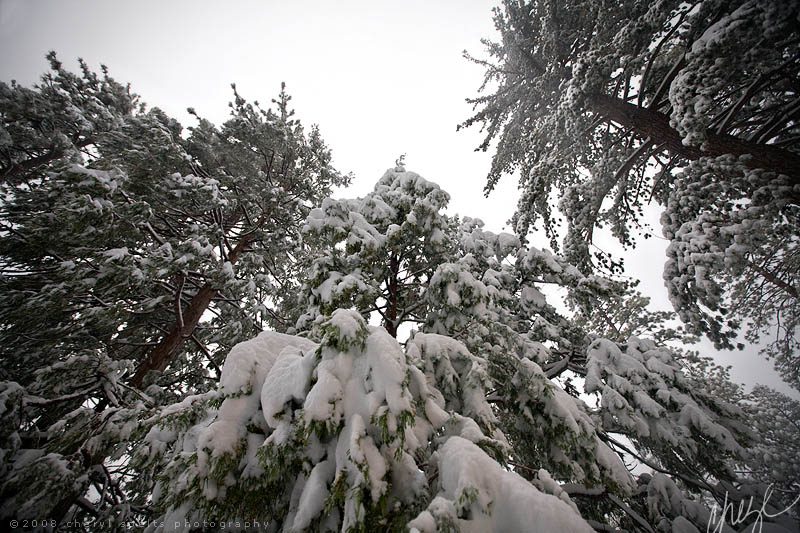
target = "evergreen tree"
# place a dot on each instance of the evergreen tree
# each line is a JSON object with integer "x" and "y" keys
{"x": 608, "y": 107}
{"x": 134, "y": 257}
{"x": 61, "y": 119}
{"x": 478, "y": 421}
{"x": 776, "y": 418}
{"x": 192, "y": 336}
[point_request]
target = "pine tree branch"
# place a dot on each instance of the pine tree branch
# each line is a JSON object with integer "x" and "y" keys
{"x": 655, "y": 125}
{"x": 775, "y": 280}
{"x": 15, "y": 170}
{"x": 557, "y": 368}
{"x": 697, "y": 483}
{"x": 161, "y": 355}
{"x": 630, "y": 512}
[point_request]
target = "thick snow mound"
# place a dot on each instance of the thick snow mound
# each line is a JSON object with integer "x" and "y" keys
{"x": 249, "y": 362}
{"x": 478, "y": 495}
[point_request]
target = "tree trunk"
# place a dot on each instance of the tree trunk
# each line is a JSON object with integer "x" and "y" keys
{"x": 165, "y": 351}
{"x": 390, "y": 319}
{"x": 655, "y": 125}
{"x": 159, "y": 358}
{"x": 162, "y": 354}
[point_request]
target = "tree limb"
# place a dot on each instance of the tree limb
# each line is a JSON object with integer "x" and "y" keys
{"x": 655, "y": 125}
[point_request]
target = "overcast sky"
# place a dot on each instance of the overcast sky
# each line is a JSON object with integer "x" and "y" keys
{"x": 381, "y": 78}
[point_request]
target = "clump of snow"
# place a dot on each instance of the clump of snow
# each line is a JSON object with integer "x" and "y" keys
{"x": 462, "y": 377}
{"x": 476, "y": 494}
{"x": 248, "y": 362}
{"x": 116, "y": 254}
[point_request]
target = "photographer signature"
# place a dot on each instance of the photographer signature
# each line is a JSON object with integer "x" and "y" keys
{"x": 744, "y": 513}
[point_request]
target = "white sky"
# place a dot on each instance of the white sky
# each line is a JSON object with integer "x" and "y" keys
{"x": 381, "y": 78}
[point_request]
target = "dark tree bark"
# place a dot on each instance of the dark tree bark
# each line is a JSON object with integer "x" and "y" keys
{"x": 163, "y": 353}
{"x": 655, "y": 125}
{"x": 16, "y": 172}
{"x": 166, "y": 350}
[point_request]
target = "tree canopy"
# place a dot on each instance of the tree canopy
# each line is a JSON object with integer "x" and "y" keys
{"x": 134, "y": 254}
{"x": 195, "y": 335}
{"x": 343, "y": 427}
{"x": 604, "y": 108}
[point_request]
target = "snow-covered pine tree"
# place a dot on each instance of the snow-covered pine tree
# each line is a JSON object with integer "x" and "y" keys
{"x": 495, "y": 412}
{"x": 693, "y": 105}
{"x": 61, "y": 119}
{"x": 134, "y": 257}
{"x": 776, "y": 418}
